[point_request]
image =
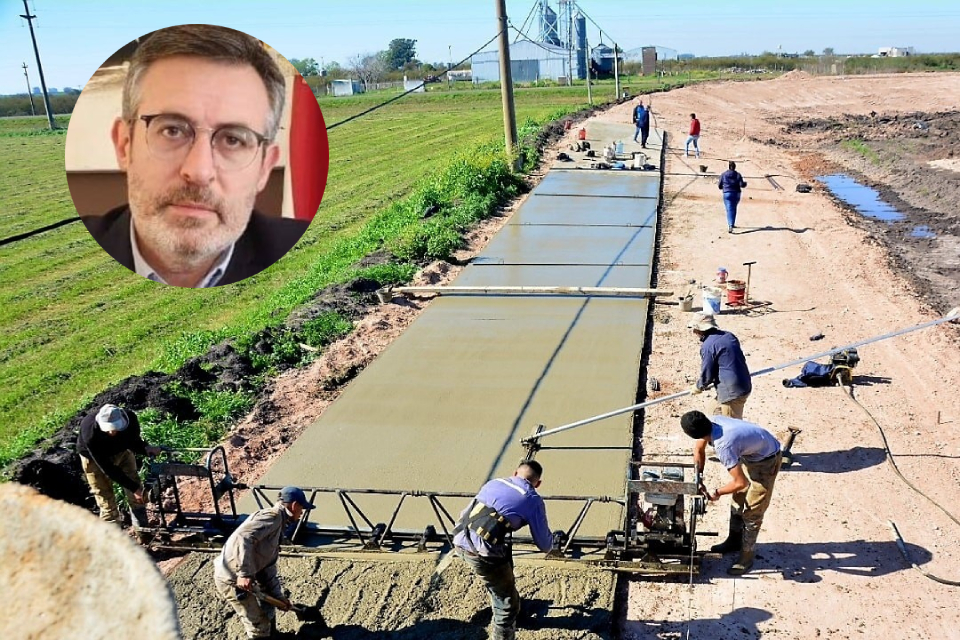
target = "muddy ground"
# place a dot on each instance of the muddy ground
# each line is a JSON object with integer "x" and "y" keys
{"x": 913, "y": 161}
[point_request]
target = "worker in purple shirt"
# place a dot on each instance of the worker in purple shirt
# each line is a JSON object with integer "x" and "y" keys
{"x": 752, "y": 455}
{"x": 482, "y": 538}
{"x": 722, "y": 365}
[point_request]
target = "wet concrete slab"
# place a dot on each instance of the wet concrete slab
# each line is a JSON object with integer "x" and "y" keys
{"x": 569, "y": 245}
{"x": 537, "y": 275}
{"x": 445, "y": 406}
{"x": 586, "y": 211}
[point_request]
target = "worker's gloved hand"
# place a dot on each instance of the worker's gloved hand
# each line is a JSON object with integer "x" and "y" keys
{"x": 245, "y": 583}
{"x": 695, "y": 390}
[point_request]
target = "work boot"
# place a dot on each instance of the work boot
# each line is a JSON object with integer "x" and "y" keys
{"x": 734, "y": 539}
{"x": 500, "y": 633}
{"x": 745, "y": 562}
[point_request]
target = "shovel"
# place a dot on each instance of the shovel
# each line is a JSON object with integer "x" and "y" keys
{"x": 303, "y": 612}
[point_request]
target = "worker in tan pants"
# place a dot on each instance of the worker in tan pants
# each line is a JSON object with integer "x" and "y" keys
{"x": 752, "y": 456}
{"x": 108, "y": 441}
{"x": 722, "y": 365}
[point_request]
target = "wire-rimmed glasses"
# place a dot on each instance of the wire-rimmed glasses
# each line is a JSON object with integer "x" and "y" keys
{"x": 170, "y": 138}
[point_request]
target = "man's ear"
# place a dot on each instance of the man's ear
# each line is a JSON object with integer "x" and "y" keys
{"x": 537, "y": 484}
{"x": 120, "y": 134}
{"x": 270, "y": 160}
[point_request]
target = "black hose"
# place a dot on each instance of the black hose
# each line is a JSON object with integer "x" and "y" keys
{"x": 889, "y": 455}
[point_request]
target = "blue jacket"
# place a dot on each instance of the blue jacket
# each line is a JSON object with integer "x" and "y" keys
{"x": 515, "y": 499}
{"x": 723, "y": 365}
{"x": 641, "y": 116}
{"x": 731, "y": 181}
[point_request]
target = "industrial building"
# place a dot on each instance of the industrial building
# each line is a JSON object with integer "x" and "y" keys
{"x": 558, "y": 53}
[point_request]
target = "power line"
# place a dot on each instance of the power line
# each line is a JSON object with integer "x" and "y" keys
{"x": 409, "y": 91}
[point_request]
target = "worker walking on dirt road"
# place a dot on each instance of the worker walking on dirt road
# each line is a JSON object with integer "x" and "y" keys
{"x": 752, "y": 455}
{"x": 641, "y": 118}
{"x": 108, "y": 443}
{"x": 248, "y": 562}
{"x": 694, "y": 136}
{"x": 731, "y": 183}
{"x": 723, "y": 365}
{"x": 482, "y": 538}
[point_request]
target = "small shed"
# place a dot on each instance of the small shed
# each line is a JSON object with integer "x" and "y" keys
{"x": 346, "y": 87}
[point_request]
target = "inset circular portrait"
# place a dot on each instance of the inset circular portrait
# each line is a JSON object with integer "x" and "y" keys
{"x": 197, "y": 156}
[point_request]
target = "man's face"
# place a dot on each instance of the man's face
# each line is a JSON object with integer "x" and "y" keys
{"x": 188, "y": 211}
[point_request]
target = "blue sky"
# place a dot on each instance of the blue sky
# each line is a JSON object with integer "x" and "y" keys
{"x": 75, "y": 36}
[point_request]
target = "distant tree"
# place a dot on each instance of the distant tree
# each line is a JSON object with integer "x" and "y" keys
{"x": 828, "y": 51}
{"x": 306, "y": 67}
{"x": 400, "y": 51}
{"x": 369, "y": 67}
{"x": 809, "y": 53}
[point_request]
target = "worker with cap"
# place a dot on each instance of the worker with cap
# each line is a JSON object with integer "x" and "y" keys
{"x": 752, "y": 456}
{"x": 482, "y": 538}
{"x": 108, "y": 443}
{"x": 247, "y": 564}
{"x": 722, "y": 365}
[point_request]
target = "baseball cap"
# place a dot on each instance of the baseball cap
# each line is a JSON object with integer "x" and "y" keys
{"x": 111, "y": 418}
{"x": 290, "y": 495}
{"x": 705, "y": 323}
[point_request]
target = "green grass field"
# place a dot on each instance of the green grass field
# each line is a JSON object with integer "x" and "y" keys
{"x": 75, "y": 322}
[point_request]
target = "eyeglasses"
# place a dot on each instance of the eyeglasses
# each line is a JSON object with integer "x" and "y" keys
{"x": 170, "y": 138}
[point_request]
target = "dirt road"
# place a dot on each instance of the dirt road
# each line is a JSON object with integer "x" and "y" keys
{"x": 828, "y": 565}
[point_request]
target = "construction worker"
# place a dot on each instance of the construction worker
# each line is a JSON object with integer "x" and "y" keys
{"x": 248, "y": 563}
{"x": 482, "y": 538}
{"x": 723, "y": 365}
{"x": 108, "y": 443}
{"x": 752, "y": 455}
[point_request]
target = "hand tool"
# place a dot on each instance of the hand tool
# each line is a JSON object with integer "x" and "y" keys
{"x": 746, "y": 293}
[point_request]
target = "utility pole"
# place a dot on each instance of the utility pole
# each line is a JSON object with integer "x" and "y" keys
{"x": 506, "y": 80}
{"x": 449, "y": 66}
{"x": 43, "y": 84}
{"x": 616, "y": 68}
{"x": 33, "y": 109}
{"x": 586, "y": 63}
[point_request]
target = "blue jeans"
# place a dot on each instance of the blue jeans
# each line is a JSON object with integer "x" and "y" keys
{"x": 696, "y": 145}
{"x": 643, "y": 132}
{"x": 497, "y": 576}
{"x": 730, "y": 201}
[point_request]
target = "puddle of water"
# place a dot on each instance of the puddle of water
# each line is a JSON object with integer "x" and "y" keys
{"x": 922, "y": 231}
{"x": 864, "y": 199}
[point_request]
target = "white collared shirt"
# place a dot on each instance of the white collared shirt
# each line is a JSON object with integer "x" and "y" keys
{"x": 143, "y": 268}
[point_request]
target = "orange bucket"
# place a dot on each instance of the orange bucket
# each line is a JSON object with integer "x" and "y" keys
{"x": 582, "y": 134}
{"x": 735, "y": 292}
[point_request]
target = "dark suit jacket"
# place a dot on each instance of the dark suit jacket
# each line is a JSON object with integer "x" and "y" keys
{"x": 265, "y": 240}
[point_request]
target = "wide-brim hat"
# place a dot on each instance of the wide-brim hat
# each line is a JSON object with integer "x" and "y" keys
{"x": 704, "y": 323}
{"x": 111, "y": 418}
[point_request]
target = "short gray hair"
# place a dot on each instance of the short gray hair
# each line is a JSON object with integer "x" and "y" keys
{"x": 213, "y": 43}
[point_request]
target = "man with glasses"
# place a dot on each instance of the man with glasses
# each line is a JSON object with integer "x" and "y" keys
{"x": 201, "y": 110}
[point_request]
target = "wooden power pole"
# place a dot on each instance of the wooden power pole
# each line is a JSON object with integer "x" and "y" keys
{"x": 33, "y": 109}
{"x": 43, "y": 84}
{"x": 506, "y": 80}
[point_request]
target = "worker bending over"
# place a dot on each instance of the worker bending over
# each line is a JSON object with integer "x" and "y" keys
{"x": 248, "y": 562}
{"x": 482, "y": 538}
{"x": 722, "y": 365}
{"x": 752, "y": 456}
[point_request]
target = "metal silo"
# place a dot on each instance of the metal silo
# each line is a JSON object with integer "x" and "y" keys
{"x": 580, "y": 28}
{"x": 548, "y": 25}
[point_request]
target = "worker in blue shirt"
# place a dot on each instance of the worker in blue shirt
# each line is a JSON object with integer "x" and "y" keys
{"x": 722, "y": 365}
{"x": 482, "y": 538}
{"x": 752, "y": 455}
{"x": 641, "y": 118}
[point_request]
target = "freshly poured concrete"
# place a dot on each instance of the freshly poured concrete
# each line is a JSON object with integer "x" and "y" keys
{"x": 445, "y": 406}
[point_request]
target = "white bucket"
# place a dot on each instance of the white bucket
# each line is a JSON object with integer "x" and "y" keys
{"x": 619, "y": 148}
{"x": 711, "y": 300}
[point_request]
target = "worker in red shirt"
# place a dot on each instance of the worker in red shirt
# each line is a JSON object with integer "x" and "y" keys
{"x": 694, "y": 136}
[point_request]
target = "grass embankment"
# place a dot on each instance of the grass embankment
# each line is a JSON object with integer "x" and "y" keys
{"x": 75, "y": 322}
